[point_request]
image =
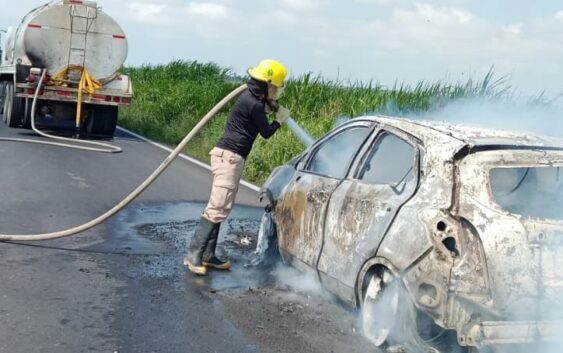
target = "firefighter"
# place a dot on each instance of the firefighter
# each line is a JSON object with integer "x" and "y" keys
{"x": 247, "y": 119}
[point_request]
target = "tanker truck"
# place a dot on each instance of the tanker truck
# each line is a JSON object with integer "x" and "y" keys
{"x": 81, "y": 49}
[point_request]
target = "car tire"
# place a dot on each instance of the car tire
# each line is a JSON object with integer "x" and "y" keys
{"x": 390, "y": 319}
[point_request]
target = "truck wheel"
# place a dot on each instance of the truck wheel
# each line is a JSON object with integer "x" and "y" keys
{"x": 26, "y": 118}
{"x": 13, "y": 107}
{"x": 101, "y": 121}
{"x": 6, "y": 102}
{"x": 2, "y": 93}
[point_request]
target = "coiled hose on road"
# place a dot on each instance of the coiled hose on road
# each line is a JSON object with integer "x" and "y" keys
{"x": 135, "y": 193}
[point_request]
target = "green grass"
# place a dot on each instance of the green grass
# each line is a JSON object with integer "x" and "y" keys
{"x": 170, "y": 99}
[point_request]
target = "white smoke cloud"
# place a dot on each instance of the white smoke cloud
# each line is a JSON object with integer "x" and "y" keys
{"x": 497, "y": 113}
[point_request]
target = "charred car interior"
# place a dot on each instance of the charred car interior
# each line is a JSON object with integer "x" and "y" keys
{"x": 436, "y": 232}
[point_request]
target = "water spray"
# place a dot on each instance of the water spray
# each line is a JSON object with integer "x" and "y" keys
{"x": 298, "y": 130}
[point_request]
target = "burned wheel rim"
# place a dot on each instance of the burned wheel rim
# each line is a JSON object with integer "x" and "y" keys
{"x": 390, "y": 318}
{"x": 380, "y": 307}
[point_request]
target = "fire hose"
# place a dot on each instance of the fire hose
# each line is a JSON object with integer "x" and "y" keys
{"x": 135, "y": 193}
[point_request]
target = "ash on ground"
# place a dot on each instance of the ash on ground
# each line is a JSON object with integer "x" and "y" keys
{"x": 273, "y": 305}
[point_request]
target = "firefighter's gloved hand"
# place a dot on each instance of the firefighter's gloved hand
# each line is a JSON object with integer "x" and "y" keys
{"x": 272, "y": 106}
{"x": 282, "y": 115}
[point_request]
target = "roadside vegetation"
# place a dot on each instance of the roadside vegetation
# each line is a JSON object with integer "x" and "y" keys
{"x": 170, "y": 99}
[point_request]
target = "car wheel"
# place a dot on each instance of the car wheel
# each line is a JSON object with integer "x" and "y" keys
{"x": 390, "y": 319}
{"x": 380, "y": 307}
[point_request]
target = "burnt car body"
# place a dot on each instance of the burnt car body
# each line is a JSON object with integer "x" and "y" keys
{"x": 467, "y": 221}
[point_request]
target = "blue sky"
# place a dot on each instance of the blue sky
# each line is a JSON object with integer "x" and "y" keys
{"x": 380, "y": 40}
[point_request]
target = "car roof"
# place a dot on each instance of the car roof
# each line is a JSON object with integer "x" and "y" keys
{"x": 444, "y": 132}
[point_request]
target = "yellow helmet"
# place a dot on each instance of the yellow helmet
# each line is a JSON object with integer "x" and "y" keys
{"x": 270, "y": 71}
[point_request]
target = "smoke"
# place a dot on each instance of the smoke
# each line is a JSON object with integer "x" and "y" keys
{"x": 341, "y": 120}
{"x": 302, "y": 282}
{"x": 266, "y": 247}
{"x": 537, "y": 116}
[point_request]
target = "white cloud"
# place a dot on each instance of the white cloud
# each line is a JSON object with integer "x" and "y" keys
{"x": 430, "y": 41}
{"x": 146, "y": 12}
{"x": 441, "y": 16}
{"x": 559, "y": 15}
{"x": 377, "y": 2}
{"x": 463, "y": 16}
{"x": 283, "y": 17}
{"x": 302, "y": 5}
{"x": 513, "y": 28}
{"x": 207, "y": 10}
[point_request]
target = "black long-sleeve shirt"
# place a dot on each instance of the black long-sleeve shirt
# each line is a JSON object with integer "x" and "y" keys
{"x": 248, "y": 119}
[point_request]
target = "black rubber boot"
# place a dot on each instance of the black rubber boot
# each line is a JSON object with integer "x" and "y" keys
{"x": 209, "y": 258}
{"x": 198, "y": 245}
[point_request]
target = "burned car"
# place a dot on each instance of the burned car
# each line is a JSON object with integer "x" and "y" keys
{"x": 433, "y": 230}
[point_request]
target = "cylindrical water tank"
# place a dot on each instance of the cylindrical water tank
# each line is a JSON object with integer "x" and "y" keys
{"x": 65, "y": 33}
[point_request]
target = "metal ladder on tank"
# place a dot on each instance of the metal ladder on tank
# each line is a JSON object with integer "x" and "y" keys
{"x": 79, "y": 27}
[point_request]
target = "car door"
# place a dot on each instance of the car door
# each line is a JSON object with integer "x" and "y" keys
{"x": 364, "y": 205}
{"x": 300, "y": 213}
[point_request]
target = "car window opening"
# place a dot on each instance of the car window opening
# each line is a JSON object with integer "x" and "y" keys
{"x": 391, "y": 162}
{"x": 527, "y": 191}
{"x": 333, "y": 157}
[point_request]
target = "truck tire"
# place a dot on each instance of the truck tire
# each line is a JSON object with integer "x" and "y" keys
{"x": 101, "y": 121}
{"x": 2, "y": 92}
{"x": 26, "y": 118}
{"x": 13, "y": 107}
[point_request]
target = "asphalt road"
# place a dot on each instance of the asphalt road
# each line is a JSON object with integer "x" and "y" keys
{"x": 121, "y": 287}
